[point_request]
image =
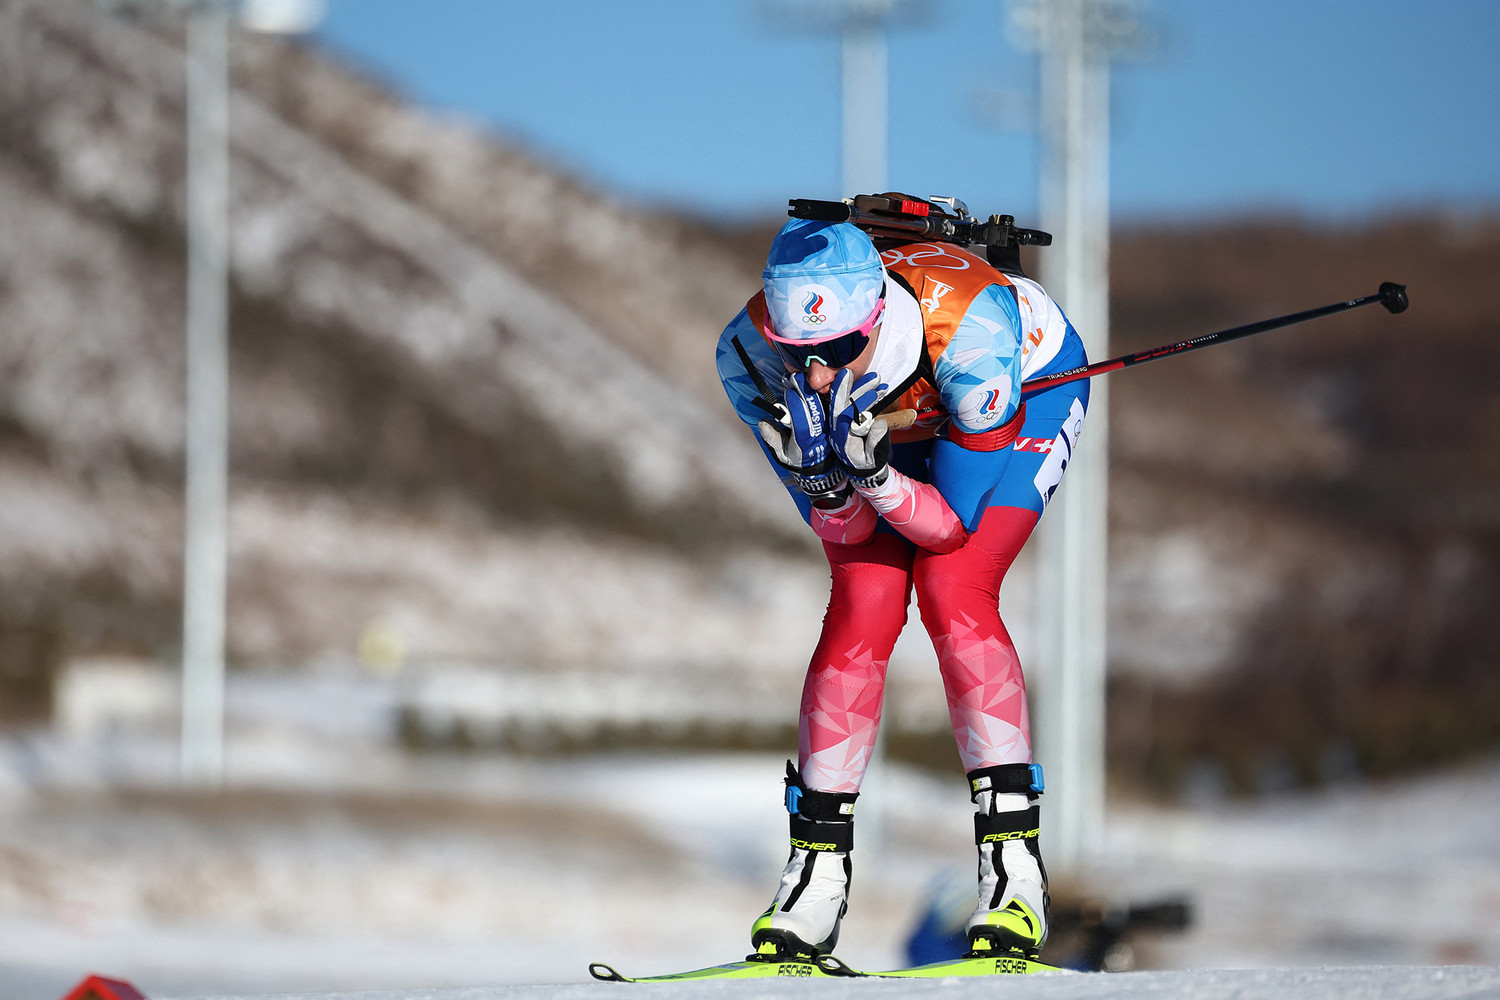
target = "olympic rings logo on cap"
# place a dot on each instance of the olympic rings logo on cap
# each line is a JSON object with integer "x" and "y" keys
{"x": 810, "y": 307}
{"x": 819, "y": 308}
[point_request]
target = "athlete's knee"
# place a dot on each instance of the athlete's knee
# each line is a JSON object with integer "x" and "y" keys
{"x": 876, "y": 595}
{"x": 868, "y": 600}
{"x": 966, "y": 582}
{"x": 948, "y": 605}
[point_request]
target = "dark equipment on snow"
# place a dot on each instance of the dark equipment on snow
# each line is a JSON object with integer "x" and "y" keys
{"x": 899, "y": 218}
{"x": 1087, "y": 934}
{"x": 1103, "y": 932}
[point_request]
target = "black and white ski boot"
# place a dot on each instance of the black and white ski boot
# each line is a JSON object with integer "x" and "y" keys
{"x": 1011, "y": 917}
{"x": 803, "y": 920}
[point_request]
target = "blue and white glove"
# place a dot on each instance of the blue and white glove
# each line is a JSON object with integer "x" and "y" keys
{"x": 860, "y": 439}
{"x": 799, "y": 442}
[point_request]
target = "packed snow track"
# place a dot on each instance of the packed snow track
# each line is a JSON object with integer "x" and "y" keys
{"x": 1353, "y": 983}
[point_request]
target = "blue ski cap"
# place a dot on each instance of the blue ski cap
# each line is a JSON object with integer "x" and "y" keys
{"x": 822, "y": 280}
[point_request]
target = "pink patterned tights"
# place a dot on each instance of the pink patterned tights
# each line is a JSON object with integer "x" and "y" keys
{"x": 958, "y": 595}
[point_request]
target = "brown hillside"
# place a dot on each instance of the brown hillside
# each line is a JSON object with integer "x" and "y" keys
{"x": 1358, "y": 457}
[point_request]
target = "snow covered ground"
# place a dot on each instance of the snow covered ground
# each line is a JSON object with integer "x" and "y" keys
{"x": 335, "y": 861}
{"x": 1365, "y": 983}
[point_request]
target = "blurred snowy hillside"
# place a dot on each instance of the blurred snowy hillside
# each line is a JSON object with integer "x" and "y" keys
{"x": 422, "y": 313}
{"x": 407, "y": 440}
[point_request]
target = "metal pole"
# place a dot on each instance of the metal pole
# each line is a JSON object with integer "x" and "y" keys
{"x": 205, "y": 550}
{"x": 865, "y": 103}
{"x": 1072, "y": 577}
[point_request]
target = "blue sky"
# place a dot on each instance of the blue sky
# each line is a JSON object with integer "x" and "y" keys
{"x": 1324, "y": 108}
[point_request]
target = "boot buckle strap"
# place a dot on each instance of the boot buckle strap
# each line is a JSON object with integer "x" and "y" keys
{"x": 810, "y": 835}
{"x": 995, "y": 828}
{"x": 1008, "y": 779}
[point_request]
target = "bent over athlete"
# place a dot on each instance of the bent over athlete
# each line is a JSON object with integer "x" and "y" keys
{"x": 840, "y": 333}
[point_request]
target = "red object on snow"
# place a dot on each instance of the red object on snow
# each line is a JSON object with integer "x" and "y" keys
{"x": 100, "y": 988}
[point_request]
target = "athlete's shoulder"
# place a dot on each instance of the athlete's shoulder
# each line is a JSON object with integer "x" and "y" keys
{"x": 1046, "y": 331}
{"x": 978, "y": 372}
{"x": 739, "y": 344}
{"x": 739, "y": 327}
{"x": 988, "y": 328}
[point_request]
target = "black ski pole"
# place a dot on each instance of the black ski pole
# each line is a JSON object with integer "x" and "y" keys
{"x": 1391, "y": 295}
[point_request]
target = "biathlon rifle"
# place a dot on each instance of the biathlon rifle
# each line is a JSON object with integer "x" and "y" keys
{"x": 900, "y": 218}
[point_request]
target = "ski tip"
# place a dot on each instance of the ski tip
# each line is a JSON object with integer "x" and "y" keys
{"x": 606, "y": 974}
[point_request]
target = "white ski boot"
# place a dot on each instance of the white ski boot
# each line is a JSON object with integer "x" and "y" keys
{"x": 803, "y": 920}
{"x": 1012, "y": 913}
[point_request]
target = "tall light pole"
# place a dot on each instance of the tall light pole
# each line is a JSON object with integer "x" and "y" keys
{"x": 205, "y": 507}
{"x": 863, "y": 26}
{"x": 205, "y": 548}
{"x": 865, "y": 92}
{"x": 1076, "y": 39}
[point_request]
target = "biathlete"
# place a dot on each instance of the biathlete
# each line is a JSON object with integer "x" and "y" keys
{"x": 841, "y": 333}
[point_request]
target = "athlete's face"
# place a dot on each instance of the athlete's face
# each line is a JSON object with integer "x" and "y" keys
{"x": 820, "y": 376}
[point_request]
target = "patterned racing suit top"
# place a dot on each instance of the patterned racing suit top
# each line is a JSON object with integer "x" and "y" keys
{"x": 957, "y": 339}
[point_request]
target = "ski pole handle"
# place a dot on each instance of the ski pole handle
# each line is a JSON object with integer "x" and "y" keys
{"x": 899, "y": 420}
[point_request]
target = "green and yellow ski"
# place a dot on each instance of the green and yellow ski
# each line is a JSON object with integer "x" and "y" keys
{"x": 828, "y": 967}
{"x": 993, "y": 965}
